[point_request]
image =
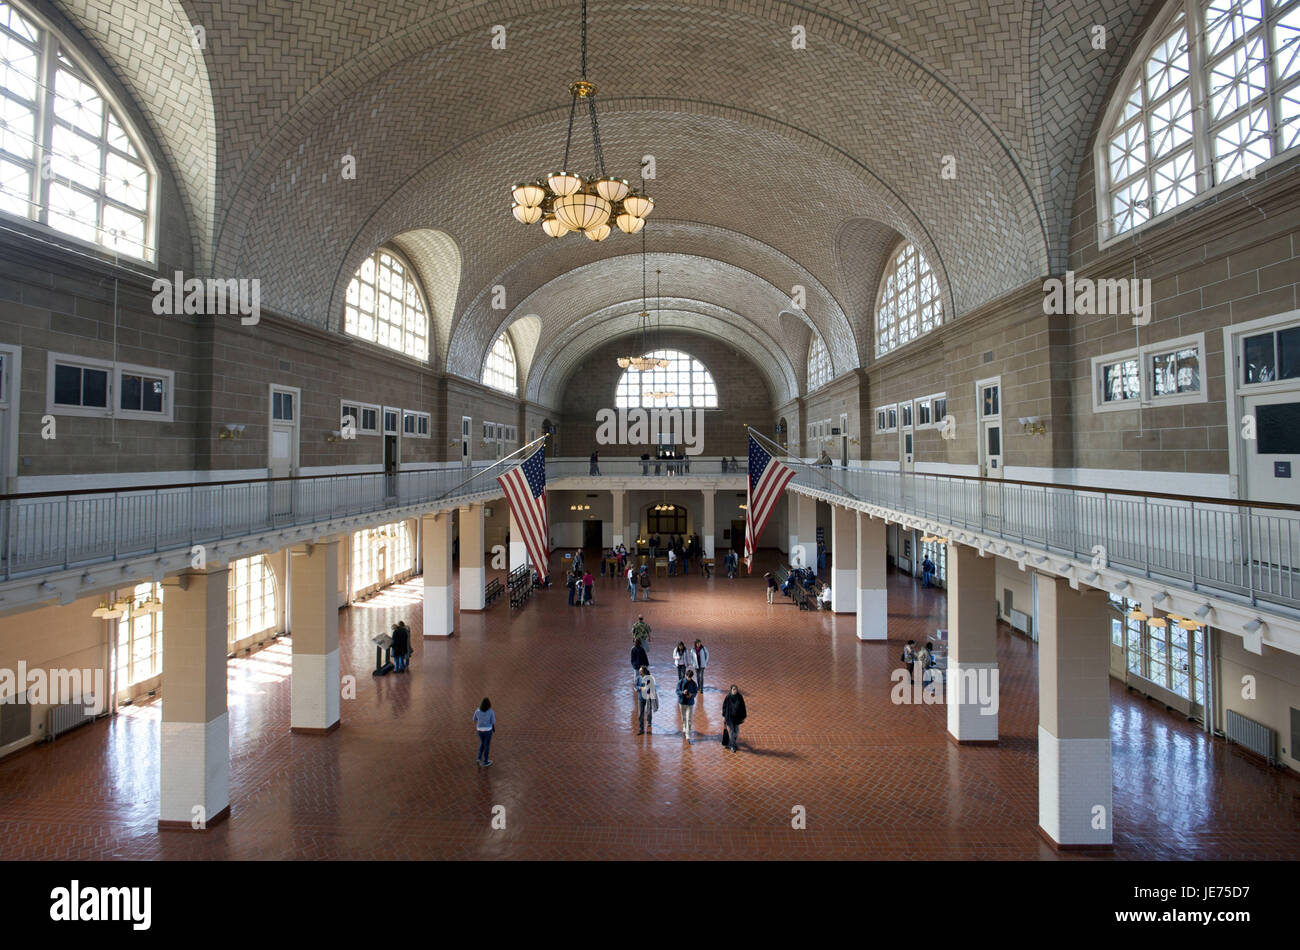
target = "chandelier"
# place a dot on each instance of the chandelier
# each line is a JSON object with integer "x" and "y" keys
{"x": 643, "y": 363}
{"x": 563, "y": 201}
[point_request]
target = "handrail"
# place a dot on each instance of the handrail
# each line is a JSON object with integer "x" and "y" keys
{"x": 487, "y": 468}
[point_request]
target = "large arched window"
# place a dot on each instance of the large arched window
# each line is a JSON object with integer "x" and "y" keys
{"x": 819, "y": 364}
{"x": 684, "y": 383}
{"x": 251, "y": 599}
{"x": 499, "y": 370}
{"x": 909, "y": 304}
{"x": 1198, "y": 107}
{"x": 68, "y": 160}
{"x": 385, "y": 306}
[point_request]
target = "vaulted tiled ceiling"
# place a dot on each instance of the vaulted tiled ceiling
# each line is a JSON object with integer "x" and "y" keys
{"x": 775, "y": 166}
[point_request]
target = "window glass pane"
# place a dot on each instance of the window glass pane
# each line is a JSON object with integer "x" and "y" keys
{"x": 131, "y": 386}
{"x": 94, "y": 388}
{"x": 1120, "y": 381}
{"x": 1257, "y": 359}
{"x": 67, "y": 385}
{"x": 908, "y": 291}
{"x": 1176, "y": 372}
{"x": 1288, "y": 350}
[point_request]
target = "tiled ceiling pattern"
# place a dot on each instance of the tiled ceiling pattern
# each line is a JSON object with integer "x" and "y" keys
{"x": 755, "y": 142}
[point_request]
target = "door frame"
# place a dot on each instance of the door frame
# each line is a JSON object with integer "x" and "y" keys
{"x": 1235, "y": 400}
{"x": 11, "y": 400}
{"x": 466, "y": 441}
{"x": 295, "y": 460}
{"x": 981, "y": 419}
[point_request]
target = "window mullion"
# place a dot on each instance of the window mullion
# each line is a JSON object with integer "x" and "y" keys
{"x": 1196, "y": 56}
{"x": 45, "y": 124}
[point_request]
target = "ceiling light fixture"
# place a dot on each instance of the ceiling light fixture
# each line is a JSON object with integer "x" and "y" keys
{"x": 563, "y": 201}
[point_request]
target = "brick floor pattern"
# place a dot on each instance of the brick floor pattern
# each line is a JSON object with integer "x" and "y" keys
{"x": 876, "y": 780}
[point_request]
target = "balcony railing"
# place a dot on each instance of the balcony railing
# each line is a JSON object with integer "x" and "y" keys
{"x": 49, "y": 530}
{"x": 698, "y": 466}
{"x": 1216, "y": 544}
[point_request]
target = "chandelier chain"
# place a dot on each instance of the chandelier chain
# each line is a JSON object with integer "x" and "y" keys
{"x": 595, "y": 138}
{"x": 584, "y": 39}
{"x": 568, "y": 139}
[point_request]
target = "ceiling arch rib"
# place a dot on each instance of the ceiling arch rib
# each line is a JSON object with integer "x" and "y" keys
{"x": 477, "y": 323}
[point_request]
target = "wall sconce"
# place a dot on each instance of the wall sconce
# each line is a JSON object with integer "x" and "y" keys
{"x": 231, "y": 430}
{"x": 580, "y": 507}
{"x": 743, "y": 507}
{"x": 1032, "y": 425}
{"x": 335, "y": 436}
{"x": 452, "y": 443}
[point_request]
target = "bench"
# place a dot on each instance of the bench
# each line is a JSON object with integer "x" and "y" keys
{"x": 492, "y": 591}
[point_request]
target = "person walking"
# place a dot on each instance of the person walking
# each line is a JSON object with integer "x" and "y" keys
{"x": 680, "y": 659}
{"x": 700, "y": 653}
{"x": 927, "y": 571}
{"x": 641, "y": 631}
{"x": 654, "y": 547}
{"x": 686, "y": 693}
{"x": 639, "y": 657}
{"x": 588, "y": 582}
{"x": 572, "y": 582}
{"x": 672, "y": 563}
{"x": 733, "y": 714}
{"x": 595, "y": 466}
{"x": 649, "y": 701}
{"x": 401, "y": 646}
{"x": 577, "y": 560}
{"x": 771, "y": 587}
{"x": 645, "y": 581}
{"x": 909, "y": 660}
{"x": 631, "y": 582}
{"x": 485, "y": 721}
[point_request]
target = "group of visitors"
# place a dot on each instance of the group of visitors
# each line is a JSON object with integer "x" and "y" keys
{"x": 581, "y": 583}
{"x": 803, "y": 586}
{"x": 924, "y": 657}
{"x": 400, "y": 649}
{"x": 691, "y": 662}
{"x": 732, "y": 563}
{"x": 617, "y": 553}
{"x": 638, "y": 578}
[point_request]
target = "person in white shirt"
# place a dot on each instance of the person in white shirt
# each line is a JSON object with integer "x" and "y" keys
{"x": 826, "y": 597}
{"x": 672, "y": 562}
{"x": 631, "y": 582}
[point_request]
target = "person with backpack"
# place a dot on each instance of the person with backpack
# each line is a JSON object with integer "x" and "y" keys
{"x": 645, "y": 581}
{"x": 909, "y": 659}
{"x": 733, "y": 714}
{"x": 680, "y": 659}
{"x": 686, "y": 693}
{"x": 485, "y": 721}
{"x": 648, "y": 704}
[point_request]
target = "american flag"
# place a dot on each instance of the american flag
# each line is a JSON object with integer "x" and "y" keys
{"x": 767, "y": 479}
{"x": 525, "y": 488}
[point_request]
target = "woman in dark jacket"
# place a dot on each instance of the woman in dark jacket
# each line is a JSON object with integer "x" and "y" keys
{"x": 733, "y": 714}
{"x": 401, "y": 646}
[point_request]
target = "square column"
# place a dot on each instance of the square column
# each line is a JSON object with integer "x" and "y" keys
{"x": 804, "y": 530}
{"x": 844, "y": 560}
{"x": 873, "y": 595}
{"x": 972, "y": 687}
{"x": 194, "y": 736}
{"x": 473, "y": 574}
{"x": 316, "y": 687}
{"x": 620, "y": 516}
{"x": 1074, "y": 768}
{"x": 518, "y": 550}
{"x": 439, "y": 617}
{"x": 710, "y": 520}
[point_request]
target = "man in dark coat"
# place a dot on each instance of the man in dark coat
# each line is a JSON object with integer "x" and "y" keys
{"x": 401, "y": 646}
{"x": 733, "y": 714}
{"x": 639, "y": 658}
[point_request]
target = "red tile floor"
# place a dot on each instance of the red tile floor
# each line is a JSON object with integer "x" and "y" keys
{"x": 399, "y": 780}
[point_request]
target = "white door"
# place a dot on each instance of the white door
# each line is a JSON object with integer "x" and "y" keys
{"x": 1272, "y": 458}
{"x": 466, "y": 455}
{"x": 988, "y": 412}
{"x": 844, "y": 439}
{"x": 283, "y": 448}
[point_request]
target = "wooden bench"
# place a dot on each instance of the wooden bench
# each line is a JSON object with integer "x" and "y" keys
{"x": 492, "y": 591}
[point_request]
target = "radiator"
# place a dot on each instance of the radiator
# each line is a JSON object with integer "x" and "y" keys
{"x": 1021, "y": 621}
{"x": 1256, "y": 737}
{"x": 65, "y": 717}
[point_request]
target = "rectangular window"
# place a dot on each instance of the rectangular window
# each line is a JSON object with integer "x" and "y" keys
{"x": 88, "y": 387}
{"x": 282, "y": 406}
{"x": 940, "y": 408}
{"x": 922, "y": 412}
{"x": 880, "y": 420}
{"x": 893, "y": 418}
{"x": 83, "y": 387}
{"x": 1168, "y": 372}
{"x": 1268, "y": 357}
{"x": 907, "y": 415}
{"x": 991, "y": 405}
{"x": 365, "y": 419}
{"x": 408, "y": 424}
{"x": 391, "y": 417}
{"x": 415, "y": 424}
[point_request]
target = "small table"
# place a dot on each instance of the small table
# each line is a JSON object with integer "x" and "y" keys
{"x": 661, "y": 566}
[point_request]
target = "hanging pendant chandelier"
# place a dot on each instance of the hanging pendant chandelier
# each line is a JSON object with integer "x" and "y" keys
{"x": 644, "y": 361}
{"x": 563, "y": 201}
{"x": 659, "y": 394}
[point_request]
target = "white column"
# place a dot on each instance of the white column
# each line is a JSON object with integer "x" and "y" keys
{"x": 473, "y": 575}
{"x": 805, "y": 524}
{"x": 518, "y": 550}
{"x": 439, "y": 617}
{"x": 710, "y": 521}
{"x": 194, "y": 735}
{"x": 844, "y": 560}
{"x": 1074, "y": 768}
{"x": 873, "y": 596}
{"x": 792, "y": 523}
{"x": 972, "y": 676}
{"x": 620, "y": 515}
{"x": 316, "y": 686}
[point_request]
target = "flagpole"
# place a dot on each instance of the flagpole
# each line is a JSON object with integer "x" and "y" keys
{"x": 501, "y": 461}
{"x": 800, "y": 462}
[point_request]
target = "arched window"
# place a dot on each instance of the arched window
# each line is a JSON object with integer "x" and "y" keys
{"x": 685, "y": 383}
{"x": 909, "y": 304}
{"x": 499, "y": 370}
{"x": 380, "y": 555}
{"x": 251, "y": 599}
{"x": 68, "y": 160}
{"x": 1198, "y": 107}
{"x": 385, "y": 306}
{"x": 819, "y": 364}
